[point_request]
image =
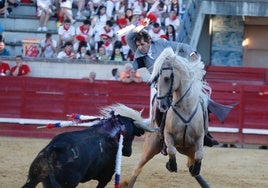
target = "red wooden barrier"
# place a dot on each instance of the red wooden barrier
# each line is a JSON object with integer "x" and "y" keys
{"x": 52, "y": 99}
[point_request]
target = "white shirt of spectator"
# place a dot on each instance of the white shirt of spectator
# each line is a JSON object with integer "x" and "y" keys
{"x": 66, "y": 34}
{"x": 49, "y": 53}
{"x": 67, "y": 4}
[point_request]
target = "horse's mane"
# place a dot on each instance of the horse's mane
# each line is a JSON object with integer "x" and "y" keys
{"x": 194, "y": 70}
{"x": 123, "y": 110}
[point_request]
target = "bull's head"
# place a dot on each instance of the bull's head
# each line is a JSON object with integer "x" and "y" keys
{"x": 132, "y": 129}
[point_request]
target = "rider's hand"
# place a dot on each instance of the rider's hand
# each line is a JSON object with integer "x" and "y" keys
{"x": 194, "y": 56}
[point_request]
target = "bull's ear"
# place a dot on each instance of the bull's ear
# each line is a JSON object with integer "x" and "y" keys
{"x": 145, "y": 127}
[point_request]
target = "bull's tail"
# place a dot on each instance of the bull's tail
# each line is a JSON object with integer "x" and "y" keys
{"x": 51, "y": 170}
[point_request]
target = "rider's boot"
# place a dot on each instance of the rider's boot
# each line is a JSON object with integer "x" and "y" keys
{"x": 210, "y": 141}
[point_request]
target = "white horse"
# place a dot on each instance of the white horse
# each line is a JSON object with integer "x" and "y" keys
{"x": 183, "y": 97}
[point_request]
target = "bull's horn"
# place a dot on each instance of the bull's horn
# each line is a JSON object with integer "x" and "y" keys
{"x": 145, "y": 128}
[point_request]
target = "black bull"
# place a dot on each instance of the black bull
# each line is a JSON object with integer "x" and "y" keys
{"x": 80, "y": 156}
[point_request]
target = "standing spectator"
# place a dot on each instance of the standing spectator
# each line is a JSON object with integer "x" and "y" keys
{"x": 3, "y": 50}
{"x": 92, "y": 77}
{"x": 67, "y": 52}
{"x": 66, "y": 33}
{"x": 4, "y": 69}
{"x": 21, "y": 68}
{"x": 129, "y": 75}
{"x": 44, "y": 11}
{"x": 115, "y": 74}
{"x": 156, "y": 31}
{"x": 171, "y": 33}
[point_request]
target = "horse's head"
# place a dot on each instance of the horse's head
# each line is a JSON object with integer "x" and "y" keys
{"x": 163, "y": 77}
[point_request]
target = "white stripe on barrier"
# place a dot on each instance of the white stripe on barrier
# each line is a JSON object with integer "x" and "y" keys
{"x": 223, "y": 129}
{"x": 255, "y": 131}
{"x": 37, "y": 121}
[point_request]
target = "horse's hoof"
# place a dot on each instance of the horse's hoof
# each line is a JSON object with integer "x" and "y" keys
{"x": 171, "y": 166}
{"x": 195, "y": 169}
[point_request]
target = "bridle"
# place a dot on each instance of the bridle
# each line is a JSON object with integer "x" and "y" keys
{"x": 169, "y": 96}
{"x": 169, "y": 93}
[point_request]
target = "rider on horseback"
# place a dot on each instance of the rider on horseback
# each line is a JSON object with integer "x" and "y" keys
{"x": 147, "y": 51}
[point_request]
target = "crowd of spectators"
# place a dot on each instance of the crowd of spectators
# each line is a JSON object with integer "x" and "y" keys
{"x": 101, "y": 19}
{"x": 95, "y": 37}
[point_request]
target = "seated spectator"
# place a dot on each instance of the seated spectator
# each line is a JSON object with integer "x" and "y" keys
{"x": 92, "y": 77}
{"x": 99, "y": 21}
{"x": 44, "y": 12}
{"x": 4, "y": 69}
{"x": 3, "y": 50}
{"x": 66, "y": 12}
{"x": 129, "y": 75}
{"x": 21, "y": 68}
{"x": 80, "y": 7}
{"x": 100, "y": 55}
{"x": 117, "y": 54}
{"x": 48, "y": 46}
{"x": 159, "y": 9}
{"x": 173, "y": 19}
{"x": 3, "y": 7}
{"x": 67, "y": 52}
{"x": 156, "y": 31}
{"x": 115, "y": 74}
{"x": 66, "y": 33}
{"x": 93, "y": 7}
{"x": 105, "y": 42}
{"x": 104, "y": 30}
{"x": 83, "y": 52}
{"x": 171, "y": 33}
{"x": 84, "y": 32}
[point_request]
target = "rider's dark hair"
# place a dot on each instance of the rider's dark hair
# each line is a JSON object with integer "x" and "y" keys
{"x": 142, "y": 35}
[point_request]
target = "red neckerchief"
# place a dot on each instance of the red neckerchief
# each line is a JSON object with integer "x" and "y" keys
{"x": 68, "y": 53}
{"x": 83, "y": 30}
{"x": 64, "y": 27}
{"x": 107, "y": 43}
{"x": 156, "y": 31}
{"x": 173, "y": 19}
{"x": 106, "y": 30}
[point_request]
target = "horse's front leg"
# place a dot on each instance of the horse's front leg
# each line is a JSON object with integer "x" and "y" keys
{"x": 151, "y": 147}
{"x": 198, "y": 156}
{"x": 171, "y": 165}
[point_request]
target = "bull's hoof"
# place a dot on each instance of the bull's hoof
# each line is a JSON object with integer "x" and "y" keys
{"x": 171, "y": 165}
{"x": 195, "y": 169}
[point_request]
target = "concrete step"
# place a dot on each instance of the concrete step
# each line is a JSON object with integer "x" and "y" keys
{"x": 18, "y": 36}
{"x": 15, "y": 48}
{"x": 28, "y": 9}
{"x": 28, "y": 23}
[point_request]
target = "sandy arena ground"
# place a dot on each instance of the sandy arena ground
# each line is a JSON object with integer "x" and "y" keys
{"x": 221, "y": 167}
